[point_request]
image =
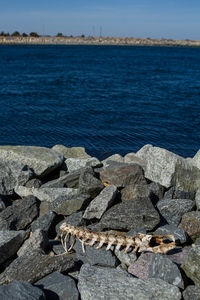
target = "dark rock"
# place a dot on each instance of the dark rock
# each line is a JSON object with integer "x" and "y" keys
{"x": 191, "y": 264}
{"x": 13, "y": 173}
{"x": 2, "y": 205}
{"x": 35, "y": 265}
{"x": 67, "y": 180}
{"x": 56, "y": 247}
{"x": 88, "y": 183}
{"x": 10, "y": 241}
{"x": 129, "y": 215}
{"x": 162, "y": 267}
{"x": 58, "y": 285}
{"x": 37, "y": 241}
{"x": 124, "y": 175}
{"x": 67, "y": 206}
{"x": 156, "y": 191}
{"x": 95, "y": 256}
{"x": 177, "y": 194}
{"x": 20, "y": 214}
{"x": 140, "y": 268}
{"x": 109, "y": 283}
{"x": 75, "y": 219}
{"x": 135, "y": 191}
{"x": 173, "y": 209}
{"x": 180, "y": 235}
{"x": 21, "y": 291}
{"x": 179, "y": 255}
{"x": 191, "y": 224}
{"x": 192, "y": 292}
{"x": 34, "y": 183}
{"x": 44, "y": 222}
{"x": 101, "y": 203}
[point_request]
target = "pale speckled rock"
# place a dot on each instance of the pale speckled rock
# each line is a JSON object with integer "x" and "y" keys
{"x": 192, "y": 292}
{"x": 191, "y": 264}
{"x": 58, "y": 286}
{"x": 169, "y": 169}
{"x": 10, "y": 241}
{"x": 13, "y": 173}
{"x": 140, "y": 268}
{"x": 35, "y": 265}
{"x": 114, "y": 157}
{"x": 101, "y": 203}
{"x": 132, "y": 214}
{"x": 40, "y": 159}
{"x": 45, "y": 194}
{"x": 196, "y": 159}
{"x": 191, "y": 224}
{"x": 111, "y": 284}
{"x": 162, "y": 267}
{"x": 173, "y": 209}
{"x": 72, "y": 152}
{"x": 74, "y": 164}
{"x": 37, "y": 241}
{"x": 21, "y": 291}
{"x": 180, "y": 235}
{"x": 197, "y": 199}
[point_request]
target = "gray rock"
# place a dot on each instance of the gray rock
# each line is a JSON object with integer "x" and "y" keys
{"x": 196, "y": 159}
{"x": 162, "y": 267}
{"x": 180, "y": 235}
{"x": 37, "y": 241}
{"x": 39, "y": 159}
{"x": 191, "y": 264}
{"x": 21, "y": 291}
{"x": 135, "y": 191}
{"x": 95, "y": 256}
{"x": 10, "y": 241}
{"x": 124, "y": 175}
{"x": 169, "y": 169}
{"x": 2, "y": 205}
{"x": 114, "y": 157}
{"x": 74, "y": 164}
{"x": 192, "y": 292}
{"x": 111, "y": 284}
{"x": 191, "y": 224}
{"x": 129, "y": 215}
{"x": 67, "y": 206}
{"x": 68, "y": 180}
{"x": 44, "y": 222}
{"x": 178, "y": 257}
{"x": 101, "y": 203}
{"x": 197, "y": 199}
{"x": 126, "y": 259}
{"x": 177, "y": 194}
{"x": 89, "y": 183}
{"x": 45, "y": 194}
{"x": 13, "y": 173}
{"x": 173, "y": 209}
{"x": 56, "y": 247}
{"x": 74, "y": 152}
{"x": 35, "y": 265}
{"x": 20, "y": 214}
{"x": 34, "y": 183}
{"x": 140, "y": 268}
{"x": 156, "y": 191}
{"x": 58, "y": 285}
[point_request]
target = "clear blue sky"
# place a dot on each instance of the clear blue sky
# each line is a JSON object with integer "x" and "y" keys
{"x": 131, "y": 18}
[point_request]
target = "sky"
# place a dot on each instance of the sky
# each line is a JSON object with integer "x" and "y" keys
{"x": 177, "y": 19}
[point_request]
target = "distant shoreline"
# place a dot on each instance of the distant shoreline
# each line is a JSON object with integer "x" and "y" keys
{"x": 48, "y": 40}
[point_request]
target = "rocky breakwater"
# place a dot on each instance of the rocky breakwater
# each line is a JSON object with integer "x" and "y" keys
{"x": 153, "y": 191}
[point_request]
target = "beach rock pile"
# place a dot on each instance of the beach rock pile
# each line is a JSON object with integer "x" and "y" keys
{"x": 152, "y": 191}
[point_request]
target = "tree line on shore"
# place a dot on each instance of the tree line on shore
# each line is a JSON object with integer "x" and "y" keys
{"x": 31, "y": 34}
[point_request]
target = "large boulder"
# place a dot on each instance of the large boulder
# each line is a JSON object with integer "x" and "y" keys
{"x": 108, "y": 283}
{"x": 191, "y": 264}
{"x": 71, "y": 152}
{"x": 74, "y": 164}
{"x": 169, "y": 169}
{"x": 39, "y": 159}
{"x": 132, "y": 214}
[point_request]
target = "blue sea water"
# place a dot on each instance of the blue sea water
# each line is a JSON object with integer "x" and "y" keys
{"x": 108, "y": 99}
